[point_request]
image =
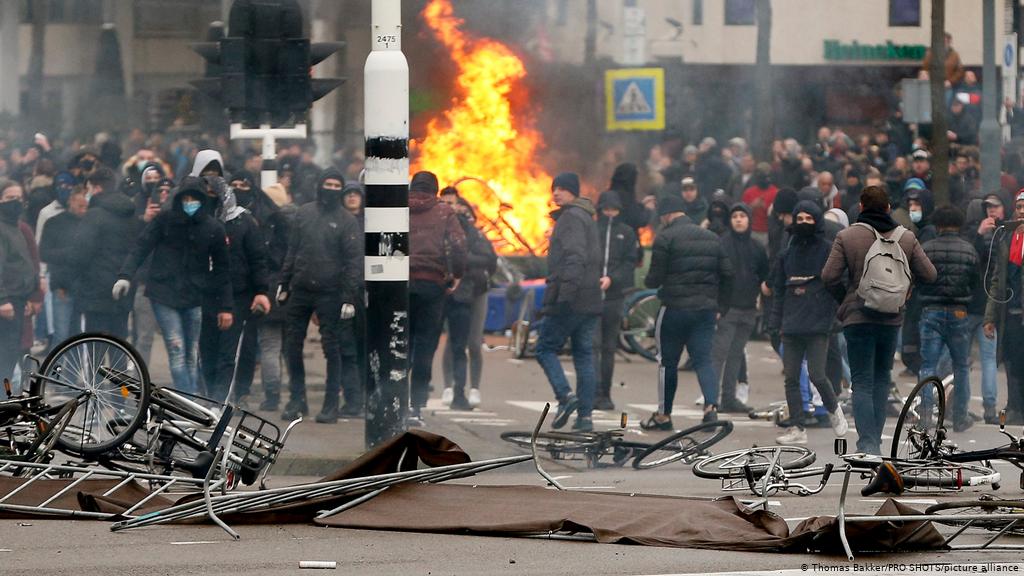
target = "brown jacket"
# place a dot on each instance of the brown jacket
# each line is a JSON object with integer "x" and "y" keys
{"x": 436, "y": 241}
{"x": 954, "y": 67}
{"x": 845, "y": 265}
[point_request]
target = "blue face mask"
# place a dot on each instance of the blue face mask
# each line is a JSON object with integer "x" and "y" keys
{"x": 915, "y": 216}
{"x": 191, "y": 207}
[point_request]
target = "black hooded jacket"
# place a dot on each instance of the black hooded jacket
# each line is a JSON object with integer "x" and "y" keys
{"x": 103, "y": 240}
{"x": 749, "y": 263}
{"x": 325, "y": 248}
{"x": 956, "y": 262}
{"x": 801, "y": 305}
{"x": 57, "y": 248}
{"x": 623, "y": 183}
{"x": 273, "y": 224}
{"x": 618, "y": 250}
{"x": 190, "y": 255}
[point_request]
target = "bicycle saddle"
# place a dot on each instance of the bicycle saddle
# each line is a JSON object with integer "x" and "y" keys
{"x": 887, "y": 480}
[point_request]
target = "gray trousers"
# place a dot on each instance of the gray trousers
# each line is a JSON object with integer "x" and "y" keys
{"x": 271, "y": 338}
{"x": 727, "y": 349}
{"x": 475, "y": 344}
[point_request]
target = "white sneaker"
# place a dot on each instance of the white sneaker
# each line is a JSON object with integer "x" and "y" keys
{"x": 446, "y": 397}
{"x": 839, "y": 424}
{"x": 743, "y": 392}
{"x": 793, "y": 435}
{"x": 474, "y": 397}
{"x": 699, "y": 401}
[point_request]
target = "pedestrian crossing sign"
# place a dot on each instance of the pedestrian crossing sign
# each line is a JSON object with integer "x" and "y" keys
{"x": 635, "y": 99}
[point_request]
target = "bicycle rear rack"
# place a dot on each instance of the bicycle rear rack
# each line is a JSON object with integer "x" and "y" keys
{"x": 1012, "y": 520}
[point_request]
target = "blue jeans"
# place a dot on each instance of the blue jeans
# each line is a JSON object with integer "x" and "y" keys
{"x": 65, "y": 321}
{"x": 943, "y": 327}
{"x": 871, "y": 348}
{"x": 988, "y": 350}
{"x": 691, "y": 329}
{"x": 554, "y": 331}
{"x": 180, "y": 328}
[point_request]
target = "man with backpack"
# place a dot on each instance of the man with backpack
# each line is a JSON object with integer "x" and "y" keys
{"x": 870, "y": 270}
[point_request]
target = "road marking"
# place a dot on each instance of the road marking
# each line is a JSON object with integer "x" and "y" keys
{"x": 189, "y": 543}
{"x": 484, "y": 421}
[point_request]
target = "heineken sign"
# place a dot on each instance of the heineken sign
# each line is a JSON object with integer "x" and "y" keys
{"x": 838, "y": 51}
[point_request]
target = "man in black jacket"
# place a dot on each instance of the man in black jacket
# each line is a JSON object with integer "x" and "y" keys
{"x": 803, "y": 311}
{"x": 57, "y": 248}
{"x": 103, "y": 241}
{"x": 218, "y": 348}
{"x": 618, "y": 266}
{"x": 190, "y": 260}
{"x": 572, "y": 301}
{"x": 750, "y": 265}
{"x": 321, "y": 276}
{"x": 693, "y": 276}
{"x": 944, "y": 316}
{"x": 18, "y": 276}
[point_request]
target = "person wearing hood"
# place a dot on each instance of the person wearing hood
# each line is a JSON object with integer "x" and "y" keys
{"x": 249, "y": 288}
{"x": 321, "y": 276}
{"x": 190, "y": 263}
{"x": 945, "y": 322}
{"x": 572, "y": 301}
{"x": 437, "y": 262}
{"x": 750, "y": 266}
{"x": 64, "y": 184}
{"x": 914, "y": 215}
{"x": 19, "y": 279}
{"x": 623, "y": 183}
{"x": 147, "y": 197}
{"x": 481, "y": 262}
{"x": 618, "y": 266}
{"x": 102, "y": 242}
{"x": 802, "y": 313}
{"x": 780, "y": 221}
{"x": 712, "y": 172}
{"x": 719, "y": 213}
{"x": 829, "y": 227}
{"x": 153, "y": 196}
{"x": 352, "y": 197}
{"x": 207, "y": 163}
{"x": 694, "y": 205}
{"x": 273, "y": 227}
{"x": 693, "y": 275}
{"x": 870, "y": 336}
{"x": 57, "y": 249}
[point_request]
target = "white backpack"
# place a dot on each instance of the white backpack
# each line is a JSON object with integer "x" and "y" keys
{"x": 886, "y": 280}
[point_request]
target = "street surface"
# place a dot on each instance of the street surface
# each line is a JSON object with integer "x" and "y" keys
{"x": 514, "y": 392}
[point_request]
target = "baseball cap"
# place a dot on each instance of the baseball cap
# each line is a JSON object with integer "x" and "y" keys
{"x": 1020, "y": 195}
{"x": 992, "y": 200}
{"x": 914, "y": 184}
{"x": 920, "y": 154}
{"x": 688, "y": 182}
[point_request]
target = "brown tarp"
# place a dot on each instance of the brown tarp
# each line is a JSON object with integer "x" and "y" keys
{"x": 619, "y": 518}
{"x": 515, "y": 510}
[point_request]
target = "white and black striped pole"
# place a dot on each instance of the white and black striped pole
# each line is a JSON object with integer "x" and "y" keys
{"x": 386, "y": 120}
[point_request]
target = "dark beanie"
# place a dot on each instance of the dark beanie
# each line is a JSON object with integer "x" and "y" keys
{"x": 670, "y": 204}
{"x": 424, "y": 182}
{"x": 568, "y": 181}
{"x": 609, "y": 199}
{"x": 352, "y": 188}
{"x": 785, "y": 201}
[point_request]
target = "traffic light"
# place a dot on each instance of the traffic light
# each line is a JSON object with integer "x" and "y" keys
{"x": 265, "y": 64}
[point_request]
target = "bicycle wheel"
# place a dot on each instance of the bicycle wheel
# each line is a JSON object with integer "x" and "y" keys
{"x": 110, "y": 381}
{"x": 919, "y": 430}
{"x": 952, "y": 513}
{"x": 732, "y": 464}
{"x": 641, "y": 317}
{"x": 553, "y": 441}
{"x": 686, "y": 444}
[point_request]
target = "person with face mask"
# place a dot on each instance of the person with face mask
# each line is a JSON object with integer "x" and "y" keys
{"x": 102, "y": 242}
{"x": 18, "y": 276}
{"x": 190, "y": 263}
{"x": 63, "y": 185}
{"x": 257, "y": 341}
{"x": 57, "y": 250}
{"x": 802, "y": 312}
{"x": 321, "y": 276}
{"x": 218, "y": 347}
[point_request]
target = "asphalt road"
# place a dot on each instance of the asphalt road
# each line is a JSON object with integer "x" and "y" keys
{"x": 514, "y": 392}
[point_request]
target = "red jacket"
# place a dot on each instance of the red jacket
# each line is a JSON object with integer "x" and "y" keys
{"x": 437, "y": 244}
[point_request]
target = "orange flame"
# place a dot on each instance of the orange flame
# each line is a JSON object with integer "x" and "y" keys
{"x": 479, "y": 137}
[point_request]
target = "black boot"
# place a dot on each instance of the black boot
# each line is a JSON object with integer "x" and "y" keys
{"x": 271, "y": 403}
{"x": 329, "y": 413}
{"x": 295, "y": 407}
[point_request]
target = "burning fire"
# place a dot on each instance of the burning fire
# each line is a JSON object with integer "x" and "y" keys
{"x": 481, "y": 145}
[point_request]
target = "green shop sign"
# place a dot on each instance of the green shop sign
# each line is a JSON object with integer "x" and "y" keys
{"x": 836, "y": 50}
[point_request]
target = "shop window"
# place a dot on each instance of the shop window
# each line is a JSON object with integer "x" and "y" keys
{"x": 698, "y": 12}
{"x": 739, "y": 12}
{"x": 904, "y": 12}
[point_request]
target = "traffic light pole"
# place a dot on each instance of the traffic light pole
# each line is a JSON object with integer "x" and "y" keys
{"x": 269, "y": 136}
{"x": 386, "y": 120}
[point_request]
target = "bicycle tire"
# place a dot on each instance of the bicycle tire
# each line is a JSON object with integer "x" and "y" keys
{"x": 640, "y": 318}
{"x": 956, "y": 508}
{"x": 918, "y": 438}
{"x": 553, "y": 441}
{"x": 125, "y": 400}
{"x": 731, "y": 464}
{"x": 47, "y": 433}
{"x": 683, "y": 444}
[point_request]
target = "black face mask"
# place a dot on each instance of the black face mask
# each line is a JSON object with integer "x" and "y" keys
{"x": 804, "y": 229}
{"x": 86, "y": 165}
{"x": 243, "y": 197}
{"x": 11, "y": 211}
{"x": 330, "y": 198}
{"x": 763, "y": 181}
